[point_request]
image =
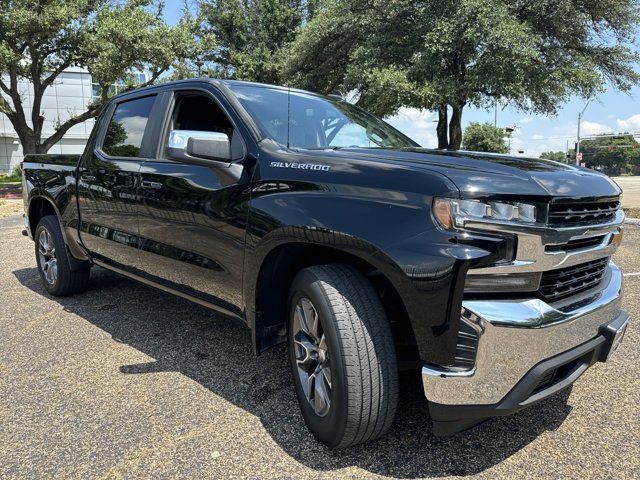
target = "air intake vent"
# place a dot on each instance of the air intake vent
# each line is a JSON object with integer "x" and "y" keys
{"x": 561, "y": 283}
{"x": 468, "y": 336}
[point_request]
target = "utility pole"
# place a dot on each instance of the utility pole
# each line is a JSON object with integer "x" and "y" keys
{"x": 578, "y": 140}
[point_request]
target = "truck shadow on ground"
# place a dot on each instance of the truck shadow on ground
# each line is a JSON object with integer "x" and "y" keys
{"x": 217, "y": 353}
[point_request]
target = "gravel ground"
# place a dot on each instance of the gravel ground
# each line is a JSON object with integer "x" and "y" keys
{"x": 10, "y": 207}
{"x": 126, "y": 382}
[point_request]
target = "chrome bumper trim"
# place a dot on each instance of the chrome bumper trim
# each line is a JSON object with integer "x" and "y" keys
{"x": 515, "y": 336}
{"x": 532, "y": 240}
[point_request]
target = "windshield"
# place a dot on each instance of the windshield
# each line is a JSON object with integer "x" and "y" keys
{"x": 316, "y": 122}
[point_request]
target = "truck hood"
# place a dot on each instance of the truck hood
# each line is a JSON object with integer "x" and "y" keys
{"x": 479, "y": 175}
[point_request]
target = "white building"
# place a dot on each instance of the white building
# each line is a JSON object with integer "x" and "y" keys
{"x": 69, "y": 95}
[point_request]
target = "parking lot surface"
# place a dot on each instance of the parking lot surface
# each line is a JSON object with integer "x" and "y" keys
{"x": 631, "y": 191}
{"x": 124, "y": 381}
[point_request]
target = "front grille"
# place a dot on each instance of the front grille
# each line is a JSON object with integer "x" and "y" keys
{"x": 577, "y": 244}
{"x": 582, "y": 213}
{"x": 564, "y": 282}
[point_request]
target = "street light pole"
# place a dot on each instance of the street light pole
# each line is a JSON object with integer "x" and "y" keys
{"x": 509, "y": 131}
{"x": 578, "y": 140}
{"x": 495, "y": 114}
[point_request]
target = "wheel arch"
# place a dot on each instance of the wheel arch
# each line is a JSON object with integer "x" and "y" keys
{"x": 279, "y": 258}
{"x": 39, "y": 206}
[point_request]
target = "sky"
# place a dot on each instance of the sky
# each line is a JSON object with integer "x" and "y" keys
{"x": 610, "y": 112}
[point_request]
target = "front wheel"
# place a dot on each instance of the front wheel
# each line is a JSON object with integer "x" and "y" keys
{"x": 53, "y": 260}
{"x": 342, "y": 355}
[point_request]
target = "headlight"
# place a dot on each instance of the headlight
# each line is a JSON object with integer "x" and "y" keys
{"x": 452, "y": 213}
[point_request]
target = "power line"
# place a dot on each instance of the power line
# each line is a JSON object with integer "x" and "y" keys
{"x": 588, "y": 137}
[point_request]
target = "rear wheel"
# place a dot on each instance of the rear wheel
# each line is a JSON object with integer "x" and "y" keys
{"x": 342, "y": 355}
{"x": 53, "y": 260}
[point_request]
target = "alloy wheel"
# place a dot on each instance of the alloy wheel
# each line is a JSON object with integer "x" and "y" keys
{"x": 47, "y": 256}
{"x": 312, "y": 356}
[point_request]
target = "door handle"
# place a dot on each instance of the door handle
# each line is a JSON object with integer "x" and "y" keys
{"x": 87, "y": 178}
{"x": 151, "y": 185}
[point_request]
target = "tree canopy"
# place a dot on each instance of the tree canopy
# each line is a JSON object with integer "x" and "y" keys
{"x": 40, "y": 39}
{"x": 446, "y": 55}
{"x": 611, "y": 153}
{"x": 558, "y": 156}
{"x": 252, "y": 33}
{"x": 484, "y": 137}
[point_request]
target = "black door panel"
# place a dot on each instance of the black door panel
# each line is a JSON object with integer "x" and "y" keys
{"x": 192, "y": 230}
{"x": 107, "y": 195}
{"x": 108, "y": 183}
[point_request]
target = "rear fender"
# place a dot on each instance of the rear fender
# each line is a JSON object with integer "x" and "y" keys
{"x": 56, "y": 184}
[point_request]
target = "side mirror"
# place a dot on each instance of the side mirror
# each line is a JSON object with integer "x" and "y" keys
{"x": 192, "y": 146}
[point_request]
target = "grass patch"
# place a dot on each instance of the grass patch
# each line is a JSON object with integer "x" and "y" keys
{"x": 4, "y": 180}
{"x": 14, "y": 178}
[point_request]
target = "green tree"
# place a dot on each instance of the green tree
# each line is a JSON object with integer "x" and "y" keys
{"x": 484, "y": 137}
{"x": 39, "y": 39}
{"x": 556, "y": 156}
{"x": 448, "y": 54}
{"x": 200, "y": 57}
{"x": 251, "y": 34}
{"x": 611, "y": 153}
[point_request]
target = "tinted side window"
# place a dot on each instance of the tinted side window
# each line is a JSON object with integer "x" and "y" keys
{"x": 126, "y": 129}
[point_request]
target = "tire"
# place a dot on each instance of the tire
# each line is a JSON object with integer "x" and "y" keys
{"x": 355, "y": 363}
{"x": 53, "y": 260}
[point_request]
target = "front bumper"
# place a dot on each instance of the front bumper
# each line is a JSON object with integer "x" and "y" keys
{"x": 519, "y": 342}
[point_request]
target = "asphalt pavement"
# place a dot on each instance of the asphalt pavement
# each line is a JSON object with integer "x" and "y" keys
{"x": 631, "y": 191}
{"x": 124, "y": 381}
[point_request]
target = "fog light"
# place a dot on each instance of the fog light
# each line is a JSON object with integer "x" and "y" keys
{"x": 511, "y": 282}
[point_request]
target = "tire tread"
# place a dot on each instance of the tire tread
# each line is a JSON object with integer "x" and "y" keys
{"x": 69, "y": 281}
{"x": 368, "y": 352}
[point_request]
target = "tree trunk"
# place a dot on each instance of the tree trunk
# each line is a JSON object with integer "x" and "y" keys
{"x": 441, "y": 129}
{"x": 455, "y": 127}
{"x": 42, "y": 148}
{"x": 29, "y": 144}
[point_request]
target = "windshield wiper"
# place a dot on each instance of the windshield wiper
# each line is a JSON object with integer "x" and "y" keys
{"x": 321, "y": 148}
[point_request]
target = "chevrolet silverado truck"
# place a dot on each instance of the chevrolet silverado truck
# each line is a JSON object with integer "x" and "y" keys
{"x": 322, "y": 227}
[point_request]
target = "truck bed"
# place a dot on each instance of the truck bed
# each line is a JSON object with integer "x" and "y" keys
{"x": 52, "y": 159}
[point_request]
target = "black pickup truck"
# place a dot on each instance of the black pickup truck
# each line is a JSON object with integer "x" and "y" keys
{"x": 321, "y": 226}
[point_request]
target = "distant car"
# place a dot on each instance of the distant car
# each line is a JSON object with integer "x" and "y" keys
{"x": 321, "y": 226}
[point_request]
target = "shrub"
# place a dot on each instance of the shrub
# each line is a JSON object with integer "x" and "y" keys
{"x": 14, "y": 176}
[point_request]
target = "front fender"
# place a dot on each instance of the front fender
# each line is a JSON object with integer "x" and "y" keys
{"x": 392, "y": 231}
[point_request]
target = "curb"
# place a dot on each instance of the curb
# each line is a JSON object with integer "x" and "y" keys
{"x": 632, "y": 221}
